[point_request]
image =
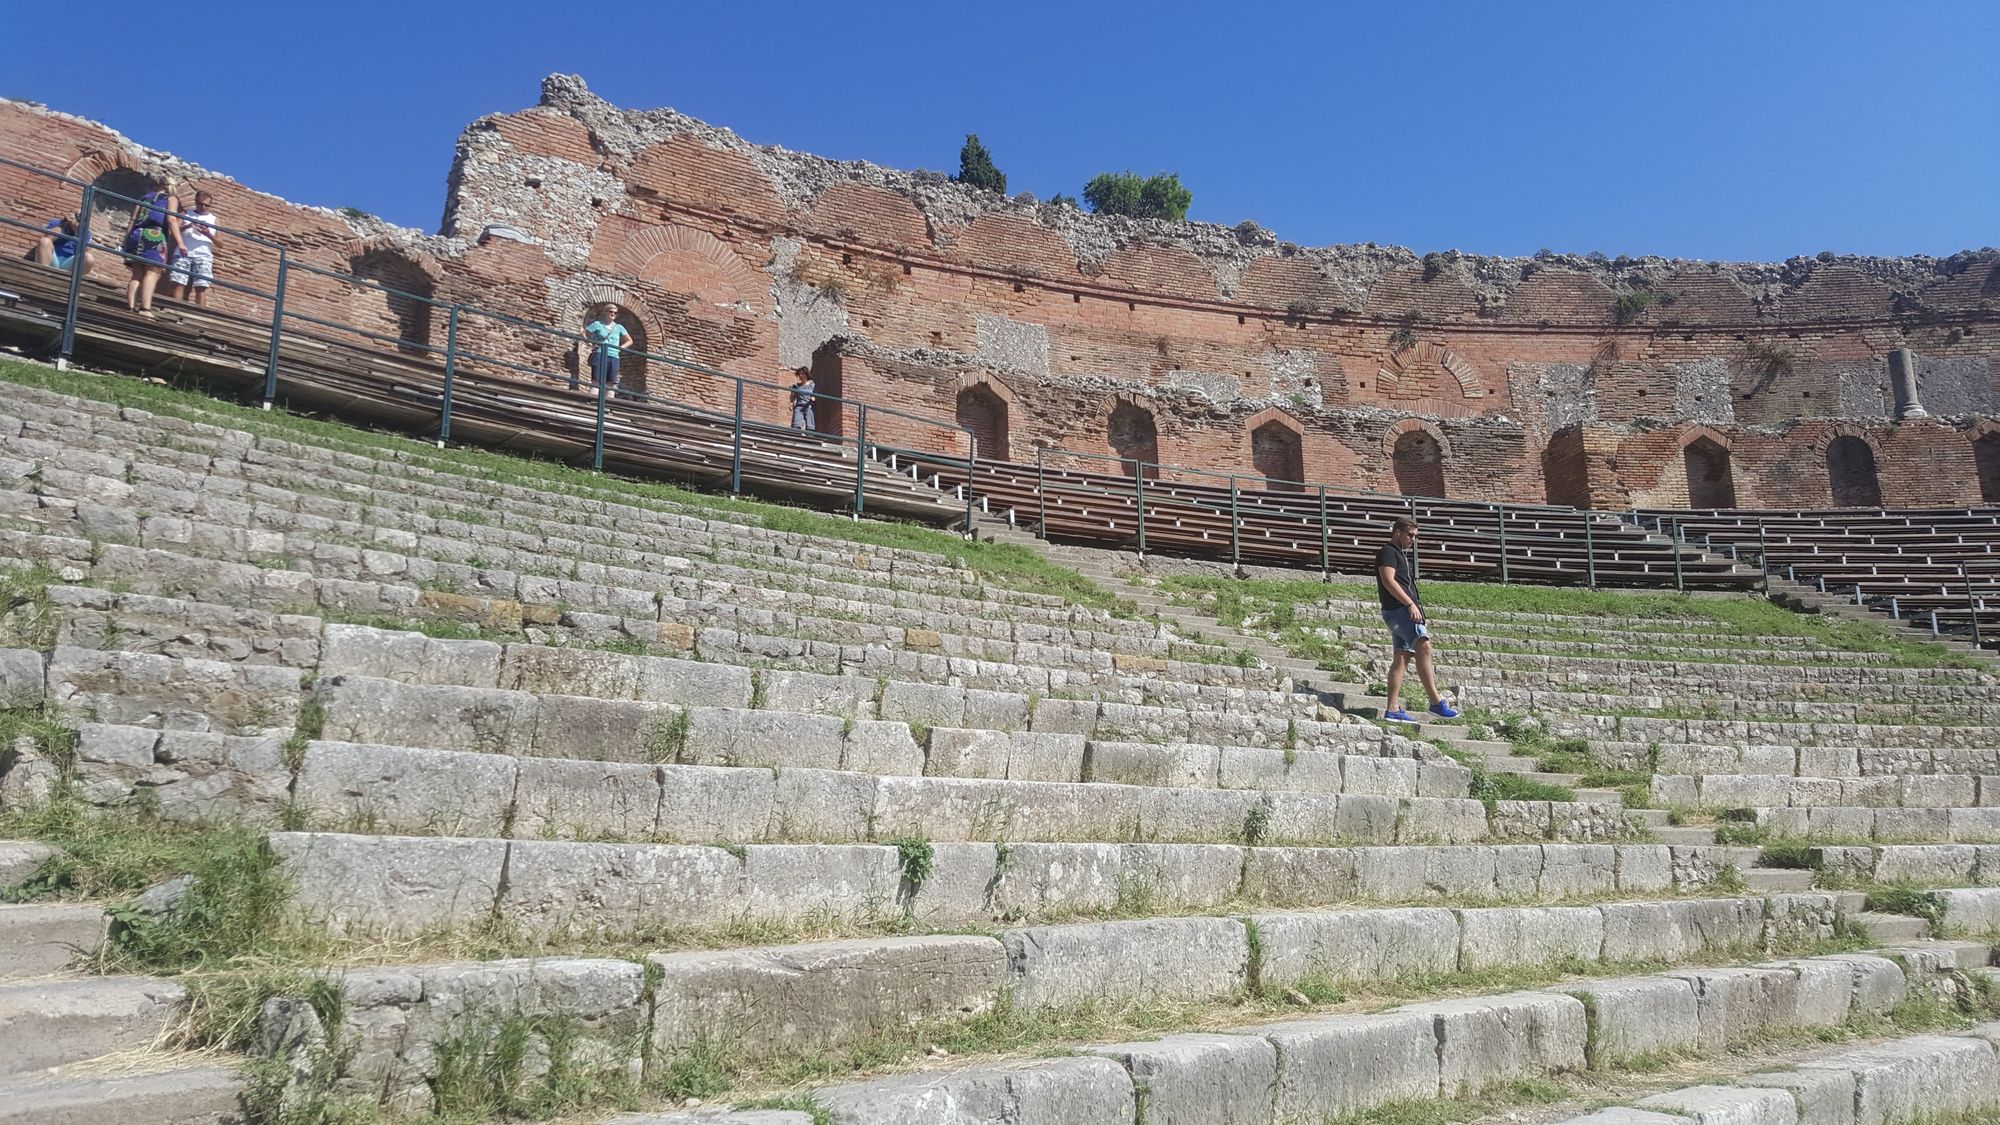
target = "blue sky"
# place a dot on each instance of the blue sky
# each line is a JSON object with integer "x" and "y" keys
{"x": 1752, "y": 129}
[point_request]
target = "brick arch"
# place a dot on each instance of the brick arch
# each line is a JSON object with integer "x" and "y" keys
{"x": 671, "y": 256}
{"x": 1839, "y": 430}
{"x": 1697, "y": 433}
{"x": 970, "y": 379}
{"x": 1412, "y": 361}
{"x": 1393, "y": 433}
{"x": 96, "y": 162}
{"x": 1407, "y": 448}
{"x": 387, "y": 245}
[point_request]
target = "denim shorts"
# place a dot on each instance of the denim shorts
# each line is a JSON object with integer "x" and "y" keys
{"x": 1406, "y": 632}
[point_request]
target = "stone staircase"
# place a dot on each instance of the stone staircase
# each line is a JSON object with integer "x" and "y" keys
{"x": 576, "y": 790}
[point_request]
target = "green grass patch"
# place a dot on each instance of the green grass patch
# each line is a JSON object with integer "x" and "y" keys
{"x": 1750, "y": 617}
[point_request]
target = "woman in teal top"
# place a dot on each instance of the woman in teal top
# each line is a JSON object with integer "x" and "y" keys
{"x": 606, "y": 337}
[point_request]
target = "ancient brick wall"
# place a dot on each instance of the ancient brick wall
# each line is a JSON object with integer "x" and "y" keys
{"x": 1555, "y": 378}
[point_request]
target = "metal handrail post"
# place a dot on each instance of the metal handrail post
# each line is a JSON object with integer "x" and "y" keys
{"x": 1501, "y": 510}
{"x": 277, "y": 332}
{"x": 597, "y": 441}
{"x": 1679, "y": 583}
{"x": 1325, "y": 569}
{"x": 1041, "y": 497}
{"x": 736, "y": 445}
{"x": 1235, "y": 528}
{"x": 1139, "y": 491}
{"x": 971, "y": 466}
{"x": 1763, "y": 556}
{"x": 76, "y": 264}
{"x": 1589, "y": 556}
{"x": 1971, "y": 605}
{"x": 861, "y": 459}
{"x": 450, "y": 372}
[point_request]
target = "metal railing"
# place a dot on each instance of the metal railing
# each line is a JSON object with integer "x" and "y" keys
{"x": 1279, "y": 498}
{"x": 454, "y": 356}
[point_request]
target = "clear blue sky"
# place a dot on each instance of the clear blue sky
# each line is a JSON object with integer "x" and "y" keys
{"x": 1747, "y": 129}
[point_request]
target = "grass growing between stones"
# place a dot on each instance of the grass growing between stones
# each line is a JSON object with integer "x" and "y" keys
{"x": 1746, "y": 616}
{"x": 1008, "y": 565}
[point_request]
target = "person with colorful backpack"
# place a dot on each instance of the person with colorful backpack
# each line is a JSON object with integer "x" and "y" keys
{"x": 155, "y": 233}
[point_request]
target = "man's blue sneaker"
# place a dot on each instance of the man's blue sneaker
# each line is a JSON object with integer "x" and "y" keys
{"x": 1399, "y": 716}
{"x": 1444, "y": 710}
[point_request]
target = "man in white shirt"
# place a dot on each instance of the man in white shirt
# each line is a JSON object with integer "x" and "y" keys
{"x": 193, "y": 267}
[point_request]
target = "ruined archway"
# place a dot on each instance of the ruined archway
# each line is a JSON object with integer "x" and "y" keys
{"x": 1133, "y": 436}
{"x": 830, "y": 384}
{"x": 1852, "y": 473}
{"x": 1986, "y": 455}
{"x": 400, "y": 308}
{"x": 984, "y": 412}
{"x": 1278, "y": 454}
{"x": 1418, "y": 462}
{"x": 111, "y": 217}
{"x": 1711, "y": 484}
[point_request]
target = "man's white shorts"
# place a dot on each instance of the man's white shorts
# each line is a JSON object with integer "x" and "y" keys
{"x": 195, "y": 267}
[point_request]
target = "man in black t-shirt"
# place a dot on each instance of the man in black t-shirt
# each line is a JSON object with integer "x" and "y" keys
{"x": 1396, "y": 586}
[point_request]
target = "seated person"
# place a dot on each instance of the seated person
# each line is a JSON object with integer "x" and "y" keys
{"x": 58, "y": 247}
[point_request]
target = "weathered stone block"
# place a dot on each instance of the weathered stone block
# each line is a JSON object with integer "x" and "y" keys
{"x": 1530, "y": 936}
{"x": 350, "y": 787}
{"x": 1345, "y": 1064}
{"x": 1200, "y": 1079}
{"x": 1636, "y": 1017}
{"x": 391, "y": 886}
{"x": 1149, "y": 959}
{"x": 1045, "y": 1092}
{"x": 561, "y": 799}
{"x": 1356, "y": 945}
{"x": 801, "y": 999}
{"x": 1727, "y": 1105}
{"x": 1487, "y": 1040}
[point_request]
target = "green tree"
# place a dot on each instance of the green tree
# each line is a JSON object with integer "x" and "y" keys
{"x": 1128, "y": 193}
{"x": 975, "y": 166}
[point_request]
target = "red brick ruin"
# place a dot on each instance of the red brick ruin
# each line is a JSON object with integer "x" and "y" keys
{"x": 1583, "y": 381}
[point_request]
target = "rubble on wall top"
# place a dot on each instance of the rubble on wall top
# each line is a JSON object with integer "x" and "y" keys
{"x": 945, "y": 204}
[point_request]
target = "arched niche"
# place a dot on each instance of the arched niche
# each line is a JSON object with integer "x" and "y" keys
{"x": 1277, "y": 452}
{"x": 401, "y": 307}
{"x": 1852, "y": 473}
{"x": 1710, "y": 480}
{"x": 980, "y": 409}
{"x": 1417, "y": 460}
{"x": 1133, "y": 435}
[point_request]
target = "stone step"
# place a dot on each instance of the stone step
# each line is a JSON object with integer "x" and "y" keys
{"x": 51, "y": 1023}
{"x": 822, "y": 997}
{"x": 1940, "y": 825}
{"x": 189, "y": 1095}
{"x": 37, "y": 940}
{"x": 287, "y": 466}
{"x": 1652, "y": 818}
{"x": 1684, "y": 835}
{"x": 1892, "y": 929}
{"x": 1931, "y": 1077}
{"x": 1802, "y": 791}
{"x": 1777, "y": 880}
{"x": 403, "y": 886}
{"x": 468, "y": 793}
{"x": 1599, "y": 796}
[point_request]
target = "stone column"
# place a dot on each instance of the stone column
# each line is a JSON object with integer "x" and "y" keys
{"x": 1903, "y": 383}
